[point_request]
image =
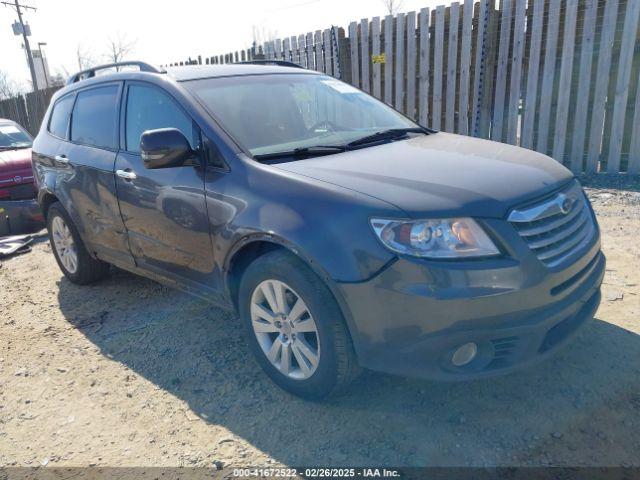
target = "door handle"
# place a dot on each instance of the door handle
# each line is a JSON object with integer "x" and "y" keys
{"x": 62, "y": 159}
{"x": 126, "y": 175}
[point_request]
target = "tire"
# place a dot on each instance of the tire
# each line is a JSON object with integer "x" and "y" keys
{"x": 85, "y": 269}
{"x": 336, "y": 364}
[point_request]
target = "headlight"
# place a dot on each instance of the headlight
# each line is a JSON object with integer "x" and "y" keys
{"x": 440, "y": 238}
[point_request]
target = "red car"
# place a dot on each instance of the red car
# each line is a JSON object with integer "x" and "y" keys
{"x": 19, "y": 212}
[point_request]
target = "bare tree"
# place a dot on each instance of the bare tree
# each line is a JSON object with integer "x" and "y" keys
{"x": 9, "y": 88}
{"x": 58, "y": 79}
{"x": 84, "y": 57}
{"x": 393, "y": 6}
{"x": 119, "y": 48}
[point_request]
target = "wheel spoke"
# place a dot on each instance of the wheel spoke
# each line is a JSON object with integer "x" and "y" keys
{"x": 307, "y": 351}
{"x": 285, "y": 362}
{"x": 263, "y": 327}
{"x": 304, "y": 366}
{"x": 261, "y": 312}
{"x": 71, "y": 263}
{"x": 278, "y": 290}
{"x": 307, "y": 325}
{"x": 274, "y": 351}
{"x": 267, "y": 291}
{"x": 298, "y": 309}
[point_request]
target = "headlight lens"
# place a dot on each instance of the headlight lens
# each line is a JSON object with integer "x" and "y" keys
{"x": 438, "y": 238}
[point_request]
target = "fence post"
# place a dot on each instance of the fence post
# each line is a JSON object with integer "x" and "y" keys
{"x": 566, "y": 72}
{"x": 480, "y": 61}
{"x": 438, "y": 57}
{"x": 516, "y": 72}
{"x": 388, "y": 59}
{"x": 452, "y": 68}
{"x": 326, "y": 43}
{"x": 400, "y": 52}
{"x": 530, "y": 98}
{"x": 465, "y": 67}
{"x": 337, "y": 36}
{"x": 634, "y": 150}
{"x": 425, "y": 57}
{"x": 364, "y": 55}
{"x": 354, "y": 78}
{"x": 616, "y": 136}
{"x": 602, "y": 82}
{"x": 376, "y": 73}
{"x": 318, "y": 51}
{"x": 497, "y": 126}
{"x": 410, "y": 109}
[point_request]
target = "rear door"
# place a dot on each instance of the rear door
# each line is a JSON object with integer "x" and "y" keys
{"x": 164, "y": 210}
{"x": 85, "y": 162}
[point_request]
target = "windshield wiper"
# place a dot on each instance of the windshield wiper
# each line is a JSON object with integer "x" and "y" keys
{"x": 387, "y": 134}
{"x": 303, "y": 152}
{"x": 15, "y": 147}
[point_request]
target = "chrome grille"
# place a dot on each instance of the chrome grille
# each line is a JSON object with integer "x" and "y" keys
{"x": 556, "y": 227}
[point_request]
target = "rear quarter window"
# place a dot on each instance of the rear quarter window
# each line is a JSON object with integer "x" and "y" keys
{"x": 59, "y": 121}
{"x": 94, "y": 121}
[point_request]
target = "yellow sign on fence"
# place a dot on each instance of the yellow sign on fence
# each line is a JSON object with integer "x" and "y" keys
{"x": 378, "y": 58}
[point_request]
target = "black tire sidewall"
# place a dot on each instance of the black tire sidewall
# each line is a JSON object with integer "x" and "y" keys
{"x": 323, "y": 309}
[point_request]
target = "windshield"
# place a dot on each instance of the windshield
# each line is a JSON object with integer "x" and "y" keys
{"x": 283, "y": 112}
{"x": 12, "y": 136}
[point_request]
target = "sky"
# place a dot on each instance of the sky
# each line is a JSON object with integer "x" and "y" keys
{"x": 168, "y": 31}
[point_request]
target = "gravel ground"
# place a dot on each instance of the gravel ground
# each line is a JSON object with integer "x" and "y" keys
{"x": 130, "y": 373}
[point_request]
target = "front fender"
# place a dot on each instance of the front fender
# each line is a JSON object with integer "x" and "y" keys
{"x": 314, "y": 264}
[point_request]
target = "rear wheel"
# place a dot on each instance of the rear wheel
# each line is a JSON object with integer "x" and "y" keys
{"x": 295, "y": 327}
{"x": 69, "y": 250}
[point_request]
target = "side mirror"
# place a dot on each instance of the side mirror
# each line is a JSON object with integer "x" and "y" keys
{"x": 166, "y": 148}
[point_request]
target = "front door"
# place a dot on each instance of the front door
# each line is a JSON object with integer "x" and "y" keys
{"x": 164, "y": 210}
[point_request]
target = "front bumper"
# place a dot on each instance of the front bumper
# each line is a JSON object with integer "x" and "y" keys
{"x": 20, "y": 216}
{"x": 412, "y": 316}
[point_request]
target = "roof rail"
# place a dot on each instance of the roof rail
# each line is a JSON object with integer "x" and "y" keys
{"x": 280, "y": 63}
{"x": 91, "y": 72}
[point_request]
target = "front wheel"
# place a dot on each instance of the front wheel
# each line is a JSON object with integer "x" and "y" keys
{"x": 69, "y": 250}
{"x": 295, "y": 327}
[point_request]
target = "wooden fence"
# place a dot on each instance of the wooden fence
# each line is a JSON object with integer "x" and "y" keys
{"x": 557, "y": 76}
{"x": 28, "y": 110}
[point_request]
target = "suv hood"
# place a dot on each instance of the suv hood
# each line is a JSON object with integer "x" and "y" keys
{"x": 441, "y": 175}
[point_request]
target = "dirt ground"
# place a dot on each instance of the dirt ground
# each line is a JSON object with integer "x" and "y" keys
{"x": 130, "y": 373}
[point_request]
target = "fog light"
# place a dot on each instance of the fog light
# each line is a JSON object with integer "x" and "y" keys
{"x": 464, "y": 354}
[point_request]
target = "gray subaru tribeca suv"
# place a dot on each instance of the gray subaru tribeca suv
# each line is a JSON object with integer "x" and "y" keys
{"x": 344, "y": 234}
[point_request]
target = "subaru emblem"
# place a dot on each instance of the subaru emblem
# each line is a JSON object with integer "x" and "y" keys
{"x": 17, "y": 179}
{"x": 565, "y": 204}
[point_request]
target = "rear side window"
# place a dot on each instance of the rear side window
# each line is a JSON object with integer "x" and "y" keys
{"x": 149, "y": 108}
{"x": 59, "y": 120}
{"x": 94, "y": 119}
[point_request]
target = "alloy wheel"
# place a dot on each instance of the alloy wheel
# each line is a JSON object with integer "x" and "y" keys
{"x": 285, "y": 329}
{"x": 64, "y": 244}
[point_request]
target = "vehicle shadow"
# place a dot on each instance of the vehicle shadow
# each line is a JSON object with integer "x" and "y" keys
{"x": 582, "y": 407}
